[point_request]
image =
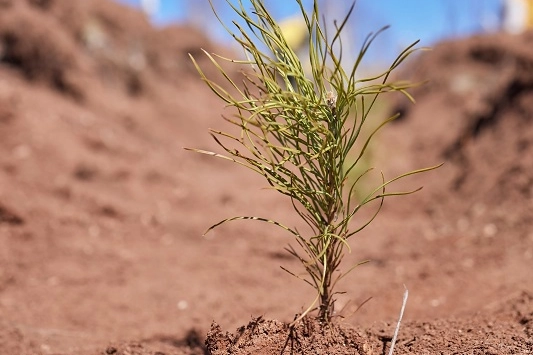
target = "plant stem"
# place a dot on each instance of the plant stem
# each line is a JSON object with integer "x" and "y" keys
{"x": 326, "y": 301}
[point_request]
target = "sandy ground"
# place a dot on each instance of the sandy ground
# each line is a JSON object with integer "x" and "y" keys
{"x": 102, "y": 210}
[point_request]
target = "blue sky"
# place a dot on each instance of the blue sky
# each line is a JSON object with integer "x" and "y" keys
{"x": 427, "y": 20}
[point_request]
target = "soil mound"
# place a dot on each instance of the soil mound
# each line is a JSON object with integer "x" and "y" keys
{"x": 273, "y": 337}
{"x": 475, "y": 114}
{"x": 68, "y": 45}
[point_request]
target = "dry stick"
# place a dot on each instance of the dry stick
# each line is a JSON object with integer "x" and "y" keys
{"x": 393, "y": 341}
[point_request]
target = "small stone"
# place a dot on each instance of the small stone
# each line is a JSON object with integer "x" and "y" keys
{"x": 183, "y": 305}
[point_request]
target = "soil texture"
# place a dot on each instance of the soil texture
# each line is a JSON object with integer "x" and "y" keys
{"x": 102, "y": 210}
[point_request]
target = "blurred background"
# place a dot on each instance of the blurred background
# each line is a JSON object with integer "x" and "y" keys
{"x": 410, "y": 20}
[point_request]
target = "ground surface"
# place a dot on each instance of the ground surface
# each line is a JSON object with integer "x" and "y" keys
{"x": 102, "y": 211}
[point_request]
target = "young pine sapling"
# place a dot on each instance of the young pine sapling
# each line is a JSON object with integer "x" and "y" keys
{"x": 302, "y": 130}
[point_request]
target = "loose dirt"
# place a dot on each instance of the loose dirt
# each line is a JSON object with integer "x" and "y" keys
{"x": 102, "y": 210}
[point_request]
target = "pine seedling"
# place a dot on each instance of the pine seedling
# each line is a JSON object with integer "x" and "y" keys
{"x": 301, "y": 131}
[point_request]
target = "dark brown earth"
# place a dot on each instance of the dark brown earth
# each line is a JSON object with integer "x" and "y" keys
{"x": 102, "y": 211}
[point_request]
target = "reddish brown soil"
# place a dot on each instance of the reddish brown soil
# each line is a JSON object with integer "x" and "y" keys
{"x": 102, "y": 211}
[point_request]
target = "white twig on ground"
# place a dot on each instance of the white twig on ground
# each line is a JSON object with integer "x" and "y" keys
{"x": 393, "y": 341}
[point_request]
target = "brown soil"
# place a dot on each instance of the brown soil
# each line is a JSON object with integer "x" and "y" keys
{"x": 102, "y": 211}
